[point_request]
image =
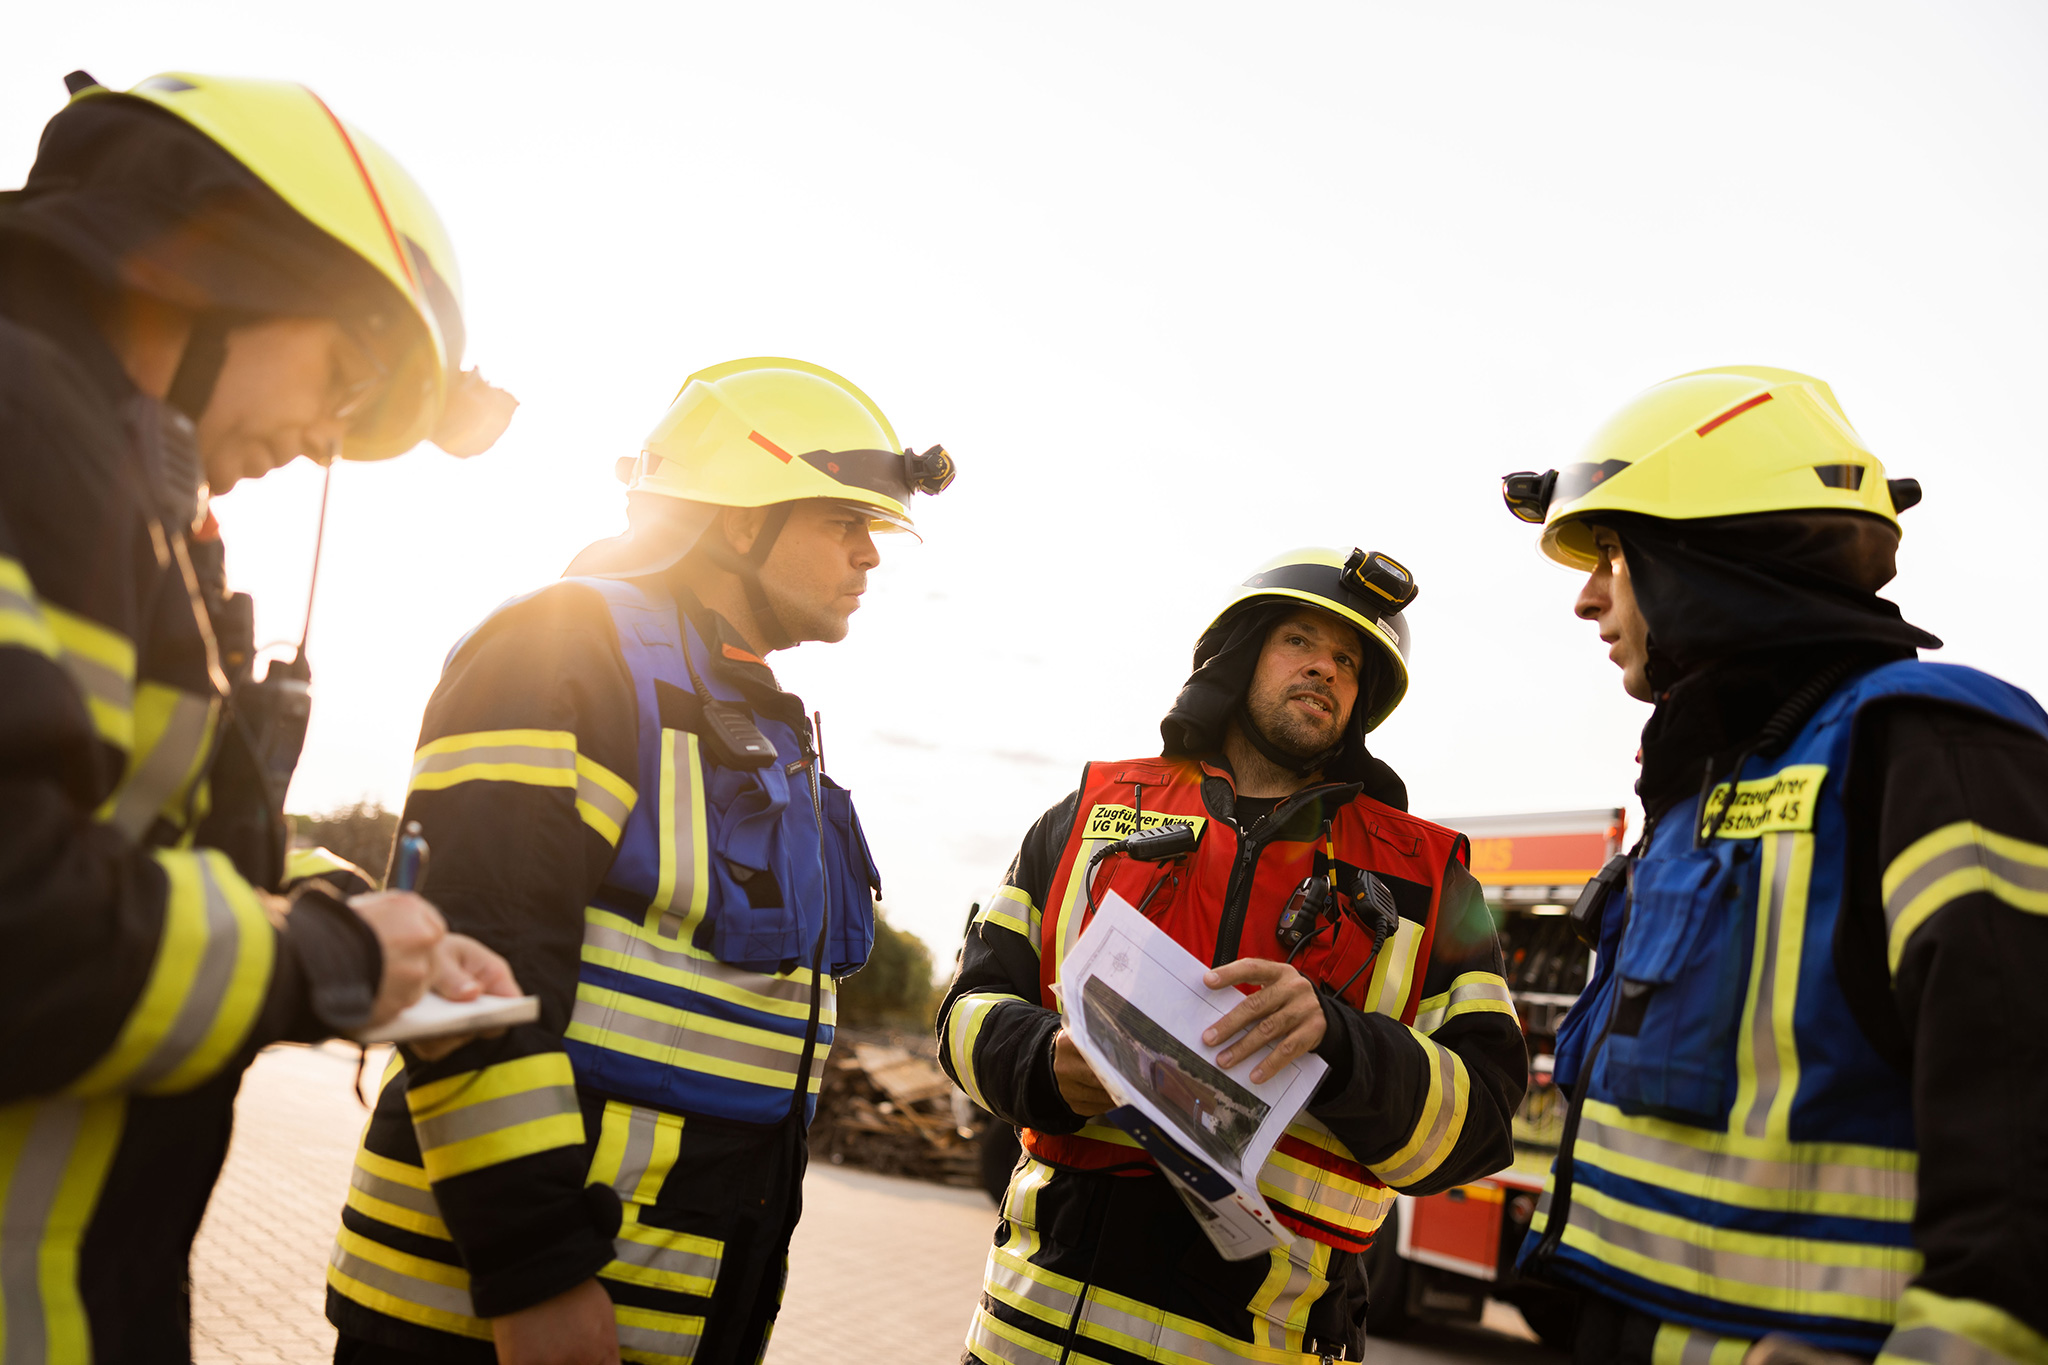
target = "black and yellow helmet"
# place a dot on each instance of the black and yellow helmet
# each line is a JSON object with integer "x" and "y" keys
{"x": 1367, "y": 588}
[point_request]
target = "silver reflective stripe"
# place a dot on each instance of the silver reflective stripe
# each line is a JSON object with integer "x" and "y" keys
{"x": 1868, "y": 1182}
{"x": 1937, "y": 1347}
{"x": 506, "y": 1111}
{"x": 680, "y": 1345}
{"x": 24, "y": 1222}
{"x": 1763, "y": 1038}
{"x": 1303, "y": 1285}
{"x": 2027, "y": 876}
{"x": 641, "y": 1126}
{"x": 668, "y": 1260}
{"x": 391, "y": 1192}
{"x": 1431, "y": 1147}
{"x": 683, "y": 1038}
{"x": 406, "y": 1288}
{"x": 1779, "y": 1274}
{"x": 524, "y": 755}
{"x": 681, "y": 807}
{"x": 161, "y": 771}
{"x": 209, "y": 983}
{"x": 1055, "y": 1307}
{"x": 610, "y": 805}
{"x": 988, "y": 1344}
{"x": 97, "y": 680}
{"x": 611, "y": 939}
{"x": 1429, "y": 1021}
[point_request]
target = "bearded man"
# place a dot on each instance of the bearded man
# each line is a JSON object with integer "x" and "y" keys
{"x": 1398, "y": 988}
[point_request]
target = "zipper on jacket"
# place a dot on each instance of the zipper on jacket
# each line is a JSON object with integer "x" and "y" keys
{"x": 1237, "y": 892}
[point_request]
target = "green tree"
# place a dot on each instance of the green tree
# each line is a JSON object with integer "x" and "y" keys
{"x": 362, "y": 833}
{"x": 896, "y": 985}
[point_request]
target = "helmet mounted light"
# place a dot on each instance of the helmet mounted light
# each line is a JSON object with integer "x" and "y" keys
{"x": 1370, "y": 572}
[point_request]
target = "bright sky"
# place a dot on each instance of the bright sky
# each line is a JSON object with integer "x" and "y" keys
{"x": 1180, "y": 286}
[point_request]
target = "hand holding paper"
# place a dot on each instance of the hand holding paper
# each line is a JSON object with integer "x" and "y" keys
{"x": 1284, "y": 1008}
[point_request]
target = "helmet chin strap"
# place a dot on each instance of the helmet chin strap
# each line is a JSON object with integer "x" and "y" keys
{"x": 1282, "y": 758}
{"x": 774, "y": 635}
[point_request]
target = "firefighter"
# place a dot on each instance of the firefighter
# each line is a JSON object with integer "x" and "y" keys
{"x": 622, "y": 800}
{"x": 200, "y": 280}
{"x": 1396, "y": 982}
{"x": 1805, "y": 1078}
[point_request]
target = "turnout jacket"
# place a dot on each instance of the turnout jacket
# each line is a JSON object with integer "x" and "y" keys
{"x": 667, "y": 903}
{"x": 1810, "y": 1058}
{"x": 139, "y": 970}
{"x": 1426, "y": 1067}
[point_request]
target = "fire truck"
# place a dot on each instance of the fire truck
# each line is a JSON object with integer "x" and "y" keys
{"x": 1442, "y": 1256}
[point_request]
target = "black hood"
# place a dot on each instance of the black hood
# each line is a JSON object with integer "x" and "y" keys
{"x": 141, "y": 200}
{"x": 1225, "y": 658}
{"x": 1741, "y": 611}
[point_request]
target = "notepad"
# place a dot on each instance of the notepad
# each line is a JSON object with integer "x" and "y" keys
{"x": 436, "y": 1016}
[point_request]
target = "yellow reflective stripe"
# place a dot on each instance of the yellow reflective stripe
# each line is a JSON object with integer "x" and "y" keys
{"x": 1783, "y": 1274}
{"x": 679, "y": 1038}
{"x": 683, "y": 842}
{"x": 1639, "y": 1149}
{"x": 536, "y": 758}
{"x": 482, "y": 1118}
{"x": 172, "y": 740}
{"x": 636, "y": 1149}
{"x": 648, "y": 1336}
{"x": 21, "y": 618}
{"x": 409, "y": 1288}
{"x": 963, "y": 1028}
{"x": 54, "y": 1157}
{"x": 1470, "y": 993}
{"x": 611, "y": 940}
{"x": 679, "y": 1262}
{"x": 1281, "y": 1306}
{"x": 1323, "y": 1194}
{"x": 1767, "y": 1050}
{"x": 1766, "y": 1149}
{"x": 1393, "y": 970}
{"x": 1676, "y": 1345}
{"x": 300, "y": 863}
{"x": 1113, "y": 1319}
{"x": 1012, "y": 908}
{"x": 400, "y": 1198}
{"x": 1438, "y": 1126}
{"x": 1936, "y": 1330}
{"x": 102, "y": 663}
{"x": 603, "y": 798}
{"x": 1958, "y": 860}
{"x": 1073, "y": 905}
{"x": 206, "y": 984}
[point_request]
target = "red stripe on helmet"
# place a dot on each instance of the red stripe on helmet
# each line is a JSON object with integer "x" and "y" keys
{"x": 376, "y": 199}
{"x": 773, "y": 449}
{"x": 1744, "y": 406}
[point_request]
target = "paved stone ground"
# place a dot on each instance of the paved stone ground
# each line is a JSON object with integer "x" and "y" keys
{"x": 882, "y": 1269}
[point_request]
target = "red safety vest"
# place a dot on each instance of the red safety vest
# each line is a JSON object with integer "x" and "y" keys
{"x": 1315, "y": 1185}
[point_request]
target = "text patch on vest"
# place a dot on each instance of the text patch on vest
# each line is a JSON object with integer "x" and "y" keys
{"x": 1768, "y": 805}
{"x": 1116, "y": 822}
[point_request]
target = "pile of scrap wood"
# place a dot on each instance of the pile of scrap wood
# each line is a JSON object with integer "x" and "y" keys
{"x": 889, "y": 1109}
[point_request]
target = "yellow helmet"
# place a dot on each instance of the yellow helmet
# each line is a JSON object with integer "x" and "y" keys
{"x": 1729, "y": 441}
{"x": 355, "y": 192}
{"x": 1368, "y": 589}
{"x": 755, "y": 432}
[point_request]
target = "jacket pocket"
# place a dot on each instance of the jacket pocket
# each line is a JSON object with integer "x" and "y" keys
{"x": 850, "y": 879}
{"x": 1682, "y": 967}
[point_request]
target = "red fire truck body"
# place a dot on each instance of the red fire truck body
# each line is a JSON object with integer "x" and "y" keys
{"x": 1449, "y": 1252}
